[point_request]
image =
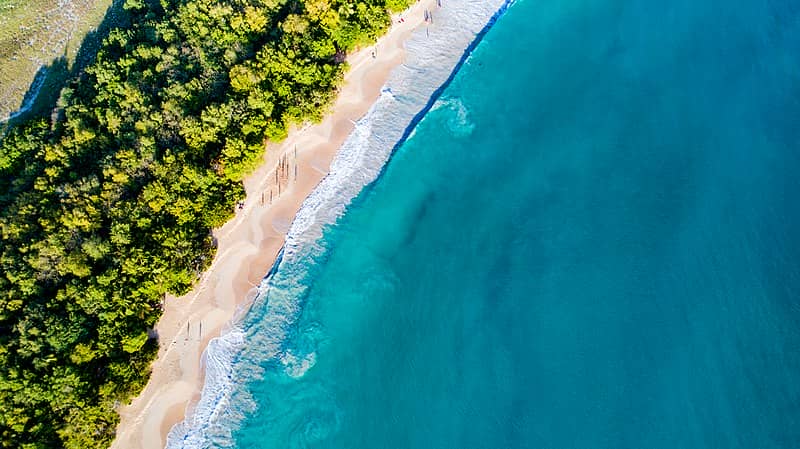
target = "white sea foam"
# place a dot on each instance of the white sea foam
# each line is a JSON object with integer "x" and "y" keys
{"x": 458, "y": 122}
{"x": 241, "y": 352}
{"x": 296, "y": 366}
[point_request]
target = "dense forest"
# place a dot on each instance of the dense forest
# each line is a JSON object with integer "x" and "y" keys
{"x": 108, "y": 204}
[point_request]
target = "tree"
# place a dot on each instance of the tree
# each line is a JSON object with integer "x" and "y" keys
{"x": 109, "y": 207}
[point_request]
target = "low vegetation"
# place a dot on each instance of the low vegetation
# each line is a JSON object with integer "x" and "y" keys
{"x": 40, "y": 41}
{"x": 109, "y": 205}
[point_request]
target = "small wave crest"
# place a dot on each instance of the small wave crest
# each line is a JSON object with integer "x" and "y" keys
{"x": 297, "y": 367}
{"x": 457, "y": 119}
{"x": 241, "y": 354}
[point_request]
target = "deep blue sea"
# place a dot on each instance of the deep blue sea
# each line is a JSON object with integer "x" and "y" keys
{"x": 591, "y": 240}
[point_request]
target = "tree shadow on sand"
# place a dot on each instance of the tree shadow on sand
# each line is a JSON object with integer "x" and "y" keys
{"x": 42, "y": 95}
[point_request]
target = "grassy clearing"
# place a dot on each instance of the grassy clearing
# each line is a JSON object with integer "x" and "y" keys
{"x": 45, "y": 35}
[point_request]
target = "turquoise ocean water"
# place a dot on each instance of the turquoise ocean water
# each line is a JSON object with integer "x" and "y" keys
{"x": 590, "y": 241}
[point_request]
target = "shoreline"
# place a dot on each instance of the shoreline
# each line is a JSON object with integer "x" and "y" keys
{"x": 412, "y": 90}
{"x": 249, "y": 243}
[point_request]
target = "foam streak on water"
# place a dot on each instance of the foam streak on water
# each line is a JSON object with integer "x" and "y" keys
{"x": 237, "y": 356}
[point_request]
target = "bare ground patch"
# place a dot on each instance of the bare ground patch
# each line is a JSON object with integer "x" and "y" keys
{"x": 39, "y": 43}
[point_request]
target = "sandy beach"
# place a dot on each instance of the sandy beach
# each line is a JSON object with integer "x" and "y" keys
{"x": 249, "y": 243}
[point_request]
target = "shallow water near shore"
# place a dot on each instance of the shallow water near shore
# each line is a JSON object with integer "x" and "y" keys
{"x": 589, "y": 241}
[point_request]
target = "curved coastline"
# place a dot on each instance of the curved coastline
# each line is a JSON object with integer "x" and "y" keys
{"x": 182, "y": 368}
{"x": 247, "y": 247}
{"x": 236, "y": 356}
